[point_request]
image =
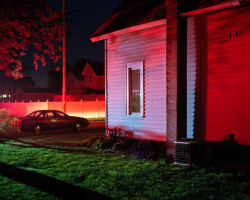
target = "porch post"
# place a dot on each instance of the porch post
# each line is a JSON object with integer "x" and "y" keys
{"x": 171, "y": 76}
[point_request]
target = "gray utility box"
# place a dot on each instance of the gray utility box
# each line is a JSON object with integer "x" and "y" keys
{"x": 189, "y": 152}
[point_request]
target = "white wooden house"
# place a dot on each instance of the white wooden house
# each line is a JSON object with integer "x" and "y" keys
{"x": 178, "y": 69}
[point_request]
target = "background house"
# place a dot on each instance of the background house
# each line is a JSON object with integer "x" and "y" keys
{"x": 86, "y": 85}
{"x": 89, "y": 80}
{"x": 178, "y": 69}
{"x": 35, "y": 94}
{"x": 93, "y": 76}
{"x": 9, "y": 85}
{"x": 74, "y": 86}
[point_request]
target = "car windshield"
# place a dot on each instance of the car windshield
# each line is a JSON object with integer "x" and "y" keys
{"x": 34, "y": 114}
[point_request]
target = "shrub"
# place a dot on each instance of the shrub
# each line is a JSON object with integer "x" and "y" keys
{"x": 145, "y": 149}
{"x": 6, "y": 122}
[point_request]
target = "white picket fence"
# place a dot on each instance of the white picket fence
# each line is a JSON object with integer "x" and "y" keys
{"x": 86, "y": 109}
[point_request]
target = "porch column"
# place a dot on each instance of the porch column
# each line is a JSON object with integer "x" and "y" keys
{"x": 171, "y": 76}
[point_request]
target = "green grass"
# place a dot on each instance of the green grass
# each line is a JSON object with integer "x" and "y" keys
{"x": 114, "y": 175}
{"x": 97, "y": 119}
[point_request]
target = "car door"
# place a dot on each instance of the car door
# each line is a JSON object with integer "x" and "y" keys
{"x": 49, "y": 120}
{"x": 63, "y": 120}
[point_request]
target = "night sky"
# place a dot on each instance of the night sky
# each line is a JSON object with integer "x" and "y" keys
{"x": 91, "y": 15}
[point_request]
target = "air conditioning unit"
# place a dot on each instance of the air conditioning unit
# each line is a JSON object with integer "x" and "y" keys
{"x": 189, "y": 152}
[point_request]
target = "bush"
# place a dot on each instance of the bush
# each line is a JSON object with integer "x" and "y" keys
{"x": 6, "y": 122}
{"x": 145, "y": 149}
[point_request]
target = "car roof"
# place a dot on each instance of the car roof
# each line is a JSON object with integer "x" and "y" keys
{"x": 47, "y": 111}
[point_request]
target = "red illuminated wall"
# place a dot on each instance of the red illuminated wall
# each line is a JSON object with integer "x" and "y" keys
{"x": 222, "y": 94}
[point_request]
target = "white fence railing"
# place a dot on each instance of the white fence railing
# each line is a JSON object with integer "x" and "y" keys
{"x": 86, "y": 109}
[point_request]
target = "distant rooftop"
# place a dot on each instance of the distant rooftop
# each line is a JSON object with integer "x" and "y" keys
{"x": 97, "y": 67}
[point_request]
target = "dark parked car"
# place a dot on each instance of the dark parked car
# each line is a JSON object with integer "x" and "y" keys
{"x": 41, "y": 120}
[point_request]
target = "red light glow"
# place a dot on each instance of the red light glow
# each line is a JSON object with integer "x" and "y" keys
{"x": 227, "y": 74}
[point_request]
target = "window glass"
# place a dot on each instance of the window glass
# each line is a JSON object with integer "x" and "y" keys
{"x": 34, "y": 114}
{"x": 135, "y": 87}
{"x": 90, "y": 79}
{"x": 135, "y": 91}
{"x": 61, "y": 115}
{"x": 49, "y": 115}
{"x": 40, "y": 115}
{"x": 31, "y": 115}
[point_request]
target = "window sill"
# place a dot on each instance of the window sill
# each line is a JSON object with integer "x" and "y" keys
{"x": 135, "y": 116}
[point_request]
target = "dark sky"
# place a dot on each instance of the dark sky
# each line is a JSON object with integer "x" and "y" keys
{"x": 92, "y": 13}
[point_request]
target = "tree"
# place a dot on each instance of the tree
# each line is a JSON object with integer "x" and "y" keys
{"x": 26, "y": 25}
{"x": 55, "y": 78}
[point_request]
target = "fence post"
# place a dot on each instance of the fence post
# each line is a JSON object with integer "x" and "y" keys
{"x": 97, "y": 108}
{"x": 9, "y": 107}
{"x": 81, "y": 108}
{"x": 26, "y": 107}
{"x": 15, "y": 108}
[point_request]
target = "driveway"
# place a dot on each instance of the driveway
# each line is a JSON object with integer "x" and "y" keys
{"x": 62, "y": 137}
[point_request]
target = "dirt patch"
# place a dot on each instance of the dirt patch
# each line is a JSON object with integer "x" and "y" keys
{"x": 62, "y": 138}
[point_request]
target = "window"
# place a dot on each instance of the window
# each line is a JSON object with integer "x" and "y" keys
{"x": 34, "y": 114}
{"x": 135, "y": 89}
{"x": 49, "y": 115}
{"x": 90, "y": 79}
{"x": 61, "y": 115}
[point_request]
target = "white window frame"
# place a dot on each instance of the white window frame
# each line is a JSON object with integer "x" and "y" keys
{"x": 135, "y": 66}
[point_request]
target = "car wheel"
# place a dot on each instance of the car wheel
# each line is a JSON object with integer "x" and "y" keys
{"x": 37, "y": 128}
{"x": 78, "y": 126}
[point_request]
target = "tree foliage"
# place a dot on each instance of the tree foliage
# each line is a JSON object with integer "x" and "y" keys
{"x": 28, "y": 24}
{"x": 6, "y": 122}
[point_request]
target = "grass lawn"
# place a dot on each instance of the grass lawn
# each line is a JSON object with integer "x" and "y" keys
{"x": 37, "y": 172}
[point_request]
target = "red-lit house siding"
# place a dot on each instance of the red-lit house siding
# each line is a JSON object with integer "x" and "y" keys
{"x": 73, "y": 85}
{"x": 222, "y": 88}
{"x": 91, "y": 80}
{"x": 100, "y": 83}
{"x": 147, "y": 45}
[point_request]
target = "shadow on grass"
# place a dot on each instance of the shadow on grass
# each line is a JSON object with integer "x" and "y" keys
{"x": 24, "y": 144}
{"x": 60, "y": 189}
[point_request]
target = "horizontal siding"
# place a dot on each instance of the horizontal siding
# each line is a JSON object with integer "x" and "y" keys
{"x": 226, "y": 71}
{"x": 148, "y": 46}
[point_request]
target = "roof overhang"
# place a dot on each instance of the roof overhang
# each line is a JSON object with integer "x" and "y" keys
{"x": 129, "y": 29}
{"x": 225, "y": 5}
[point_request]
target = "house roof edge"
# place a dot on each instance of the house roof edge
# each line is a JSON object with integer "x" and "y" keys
{"x": 229, "y": 4}
{"x": 129, "y": 29}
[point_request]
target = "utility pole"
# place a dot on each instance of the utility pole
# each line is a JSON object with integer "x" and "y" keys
{"x": 64, "y": 59}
